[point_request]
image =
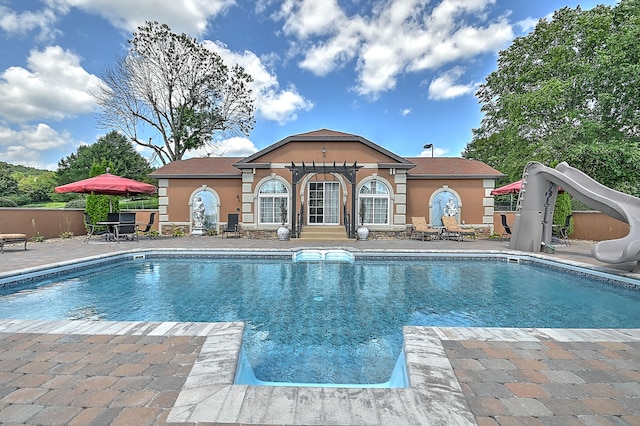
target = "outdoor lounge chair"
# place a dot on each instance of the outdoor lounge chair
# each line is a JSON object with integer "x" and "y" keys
{"x": 12, "y": 239}
{"x": 454, "y": 231}
{"x": 232, "y": 225}
{"x": 505, "y": 225}
{"x": 147, "y": 227}
{"x": 421, "y": 230}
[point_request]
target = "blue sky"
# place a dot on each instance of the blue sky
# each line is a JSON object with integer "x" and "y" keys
{"x": 401, "y": 73}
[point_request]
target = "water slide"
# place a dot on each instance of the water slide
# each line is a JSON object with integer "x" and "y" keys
{"x": 537, "y": 198}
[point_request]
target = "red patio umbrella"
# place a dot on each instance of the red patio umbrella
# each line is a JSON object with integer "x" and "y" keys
{"x": 512, "y": 188}
{"x": 107, "y": 184}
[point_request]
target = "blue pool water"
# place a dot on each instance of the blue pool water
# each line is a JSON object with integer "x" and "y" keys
{"x": 328, "y": 322}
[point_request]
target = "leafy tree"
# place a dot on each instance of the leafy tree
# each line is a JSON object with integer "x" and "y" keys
{"x": 8, "y": 184}
{"x": 174, "y": 86}
{"x": 568, "y": 91}
{"x": 114, "y": 147}
{"x": 38, "y": 187}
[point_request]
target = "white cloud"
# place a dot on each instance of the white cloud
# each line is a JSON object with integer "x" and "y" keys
{"x": 55, "y": 86}
{"x": 306, "y": 18}
{"x": 398, "y": 36}
{"x": 22, "y": 23}
{"x": 272, "y": 102}
{"x": 29, "y": 145}
{"x": 527, "y": 25}
{"x": 189, "y": 16}
{"x": 232, "y": 147}
{"x": 445, "y": 87}
{"x": 405, "y": 112}
{"x": 437, "y": 152}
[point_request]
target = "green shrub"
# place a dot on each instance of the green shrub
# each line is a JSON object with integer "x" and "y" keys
{"x": 98, "y": 207}
{"x": 7, "y": 202}
{"x": 562, "y": 210}
{"x": 79, "y": 203}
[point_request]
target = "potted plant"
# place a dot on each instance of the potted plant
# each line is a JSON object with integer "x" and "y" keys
{"x": 283, "y": 231}
{"x": 362, "y": 231}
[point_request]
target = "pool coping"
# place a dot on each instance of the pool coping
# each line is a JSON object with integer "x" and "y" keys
{"x": 132, "y": 253}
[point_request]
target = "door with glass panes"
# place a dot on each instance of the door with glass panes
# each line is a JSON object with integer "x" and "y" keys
{"x": 324, "y": 203}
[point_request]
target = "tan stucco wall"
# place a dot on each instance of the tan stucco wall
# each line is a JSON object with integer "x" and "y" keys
{"x": 179, "y": 192}
{"x": 471, "y": 192}
{"x": 50, "y": 223}
{"x": 593, "y": 226}
{"x": 334, "y": 151}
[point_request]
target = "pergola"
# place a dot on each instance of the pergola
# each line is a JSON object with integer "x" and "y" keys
{"x": 346, "y": 170}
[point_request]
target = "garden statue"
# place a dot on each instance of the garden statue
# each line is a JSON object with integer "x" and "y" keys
{"x": 198, "y": 217}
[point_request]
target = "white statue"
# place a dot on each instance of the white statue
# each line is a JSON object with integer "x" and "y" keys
{"x": 450, "y": 208}
{"x": 198, "y": 213}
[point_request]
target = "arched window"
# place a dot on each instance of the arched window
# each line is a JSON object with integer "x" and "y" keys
{"x": 273, "y": 197}
{"x": 374, "y": 196}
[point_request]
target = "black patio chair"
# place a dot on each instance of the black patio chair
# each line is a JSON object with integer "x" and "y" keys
{"x": 232, "y": 225}
{"x": 564, "y": 231}
{"x": 507, "y": 228}
{"x": 127, "y": 226}
{"x": 147, "y": 228}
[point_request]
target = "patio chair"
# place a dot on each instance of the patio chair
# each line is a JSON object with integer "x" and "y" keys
{"x": 507, "y": 228}
{"x": 92, "y": 228}
{"x": 422, "y": 230}
{"x": 564, "y": 231}
{"x": 147, "y": 228}
{"x": 232, "y": 225}
{"x": 454, "y": 231}
{"x": 127, "y": 226}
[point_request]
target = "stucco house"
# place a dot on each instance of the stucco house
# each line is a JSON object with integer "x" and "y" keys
{"x": 324, "y": 178}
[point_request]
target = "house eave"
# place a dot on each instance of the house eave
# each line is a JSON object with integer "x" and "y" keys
{"x": 405, "y": 166}
{"x": 241, "y": 165}
{"x": 453, "y": 177}
{"x": 196, "y": 176}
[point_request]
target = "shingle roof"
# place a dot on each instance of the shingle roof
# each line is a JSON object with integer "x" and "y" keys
{"x": 206, "y": 167}
{"x": 426, "y": 167}
{"x": 451, "y": 167}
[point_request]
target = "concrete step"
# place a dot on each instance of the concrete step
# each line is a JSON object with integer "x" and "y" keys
{"x": 324, "y": 232}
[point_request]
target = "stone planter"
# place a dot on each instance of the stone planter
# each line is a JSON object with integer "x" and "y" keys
{"x": 283, "y": 233}
{"x": 363, "y": 233}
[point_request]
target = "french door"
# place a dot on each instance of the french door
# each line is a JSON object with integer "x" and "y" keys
{"x": 324, "y": 203}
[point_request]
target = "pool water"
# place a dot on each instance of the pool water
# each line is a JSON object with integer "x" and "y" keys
{"x": 328, "y": 322}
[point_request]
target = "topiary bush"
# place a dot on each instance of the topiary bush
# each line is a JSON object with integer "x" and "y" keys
{"x": 562, "y": 210}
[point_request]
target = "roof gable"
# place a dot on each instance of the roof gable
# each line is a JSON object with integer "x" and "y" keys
{"x": 325, "y": 136}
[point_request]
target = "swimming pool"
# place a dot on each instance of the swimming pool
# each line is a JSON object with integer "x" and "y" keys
{"x": 332, "y": 319}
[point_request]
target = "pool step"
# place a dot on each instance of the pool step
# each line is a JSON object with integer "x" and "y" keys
{"x": 324, "y": 233}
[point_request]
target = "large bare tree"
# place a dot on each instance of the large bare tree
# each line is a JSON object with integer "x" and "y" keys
{"x": 171, "y": 85}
